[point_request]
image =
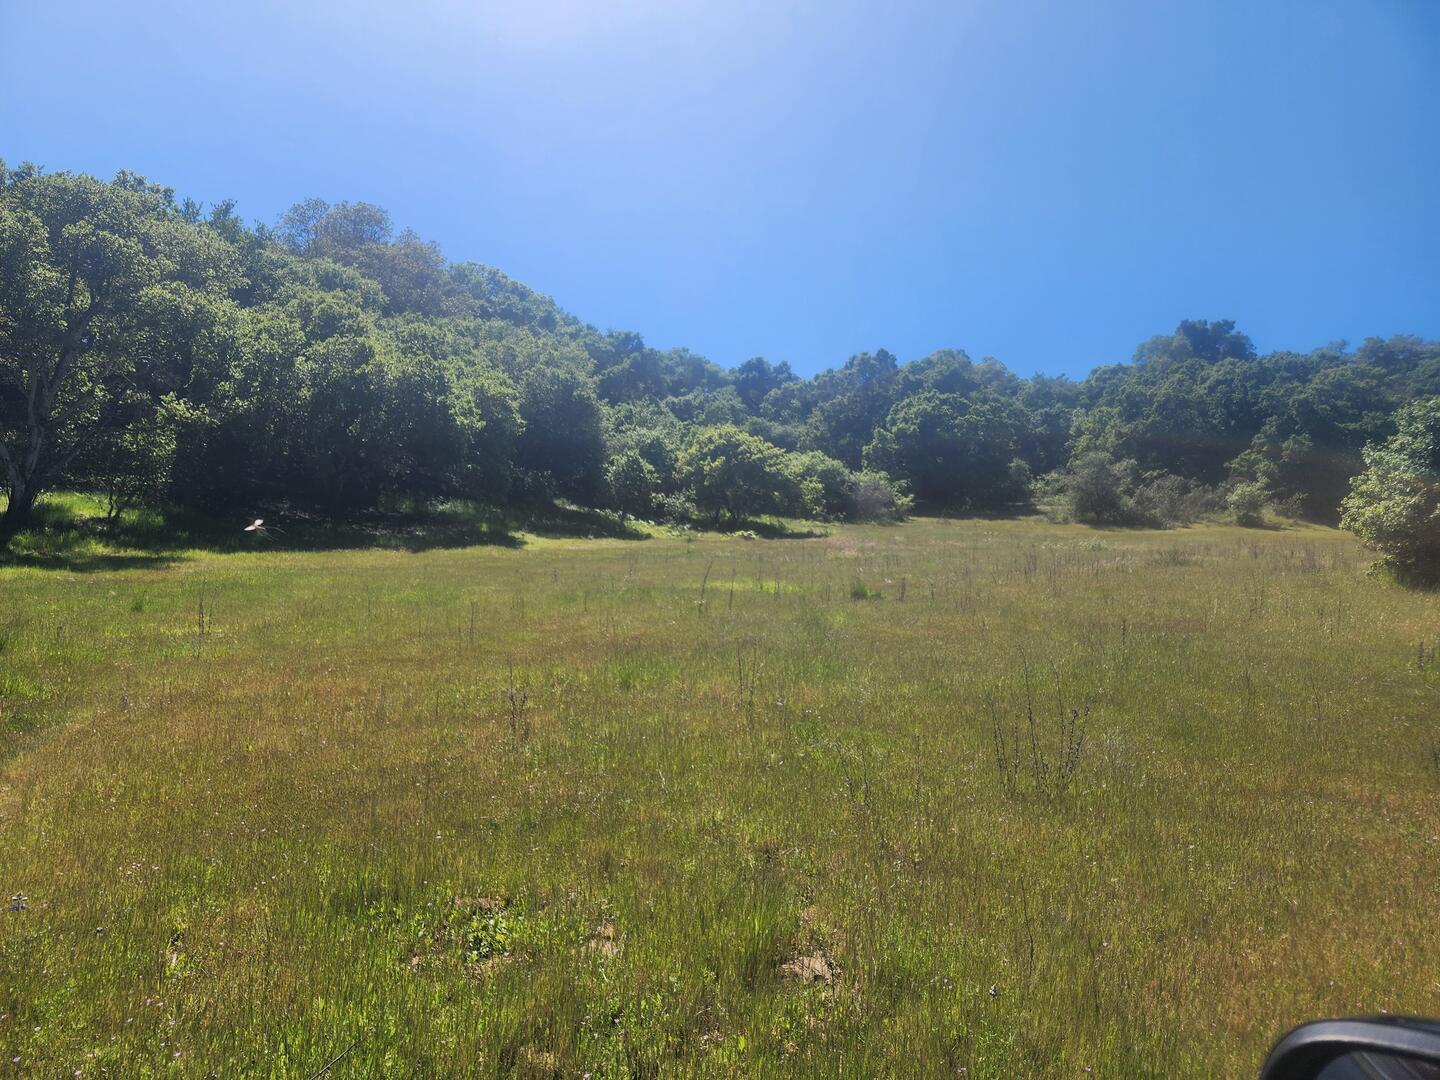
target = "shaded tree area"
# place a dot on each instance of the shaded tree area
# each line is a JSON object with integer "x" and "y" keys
{"x": 158, "y": 352}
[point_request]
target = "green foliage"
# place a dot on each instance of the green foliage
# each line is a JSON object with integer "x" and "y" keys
{"x": 1394, "y": 505}
{"x": 564, "y": 435}
{"x": 1247, "y": 501}
{"x": 851, "y": 403}
{"x": 334, "y": 364}
{"x": 131, "y": 467}
{"x": 108, "y": 298}
{"x": 633, "y": 483}
{"x": 453, "y": 419}
{"x": 756, "y": 379}
{"x": 954, "y": 451}
{"x": 859, "y": 590}
{"x": 732, "y": 473}
{"x": 1163, "y": 500}
{"x": 1197, "y": 339}
{"x": 874, "y": 496}
{"x": 831, "y": 486}
{"x": 1097, "y": 489}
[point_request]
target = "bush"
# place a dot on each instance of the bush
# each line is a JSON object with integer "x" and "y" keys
{"x": 731, "y": 472}
{"x": 1247, "y": 501}
{"x": 675, "y": 508}
{"x": 876, "y": 497}
{"x": 1164, "y": 500}
{"x": 1394, "y": 505}
{"x": 827, "y": 485}
{"x": 861, "y": 591}
{"x": 533, "y": 489}
{"x": 1304, "y": 480}
{"x": 953, "y": 451}
{"x": 632, "y": 483}
{"x": 1097, "y": 489}
{"x": 1100, "y": 490}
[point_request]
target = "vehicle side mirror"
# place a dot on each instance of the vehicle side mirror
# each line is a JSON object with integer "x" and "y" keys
{"x": 1373, "y": 1048}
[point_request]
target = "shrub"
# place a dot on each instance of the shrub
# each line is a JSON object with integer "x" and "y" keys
{"x": 130, "y": 468}
{"x": 826, "y": 483}
{"x": 1394, "y": 505}
{"x": 533, "y": 489}
{"x": 1100, "y": 490}
{"x": 876, "y": 497}
{"x": 1247, "y": 501}
{"x": 674, "y": 507}
{"x": 1165, "y": 500}
{"x": 861, "y": 591}
{"x": 632, "y": 483}
{"x": 731, "y": 472}
{"x": 1097, "y": 489}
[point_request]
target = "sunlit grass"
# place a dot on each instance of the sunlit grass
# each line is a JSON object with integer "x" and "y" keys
{"x": 714, "y": 805}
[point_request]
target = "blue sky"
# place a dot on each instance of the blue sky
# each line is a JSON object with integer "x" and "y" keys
{"x": 1046, "y": 182}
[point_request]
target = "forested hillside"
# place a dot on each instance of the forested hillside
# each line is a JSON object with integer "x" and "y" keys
{"x": 160, "y": 352}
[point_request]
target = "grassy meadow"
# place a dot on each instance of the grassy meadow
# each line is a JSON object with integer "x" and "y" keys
{"x": 953, "y": 798}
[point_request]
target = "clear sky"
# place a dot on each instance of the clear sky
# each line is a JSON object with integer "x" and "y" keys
{"x": 1045, "y": 181}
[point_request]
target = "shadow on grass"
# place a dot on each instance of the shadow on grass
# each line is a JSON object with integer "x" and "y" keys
{"x": 86, "y": 563}
{"x": 1012, "y": 512}
{"x": 566, "y": 521}
{"x": 67, "y": 535}
{"x": 776, "y": 529}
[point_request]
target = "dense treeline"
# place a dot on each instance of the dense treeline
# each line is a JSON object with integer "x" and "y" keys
{"x": 158, "y": 352}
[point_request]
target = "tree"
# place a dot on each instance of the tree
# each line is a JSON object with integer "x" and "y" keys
{"x": 636, "y": 378}
{"x": 563, "y": 435}
{"x": 1051, "y": 403}
{"x": 852, "y": 403}
{"x": 952, "y": 451}
{"x": 731, "y": 472}
{"x": 1394, "y": 505}
{"x": 650, "y": 430}
{"x": 339, "y": 448}
{"x": 343, "y": 232}
{"x": 106, "y": 293}
{"x": 633, "y": 483}
{"x": 168, "y": 354}
{"x": 1198, "y": 339}
{"x": 1097, "y": 488}
{"x": 831, "y": 484}
{"x": 240, "y": 415}
{"x": 452, "y": 420}
{"x": 130, "y": 467}
{"x": 756, "y": 378}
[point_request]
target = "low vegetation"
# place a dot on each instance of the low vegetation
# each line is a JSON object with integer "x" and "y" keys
{"x": 1000, "y": 798}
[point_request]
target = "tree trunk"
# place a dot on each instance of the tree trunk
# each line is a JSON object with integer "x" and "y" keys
{"x": 17, "y": 511}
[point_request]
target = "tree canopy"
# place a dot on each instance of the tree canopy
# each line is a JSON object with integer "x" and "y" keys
{"x": 157, "y": 352}
{"x": 1394, "y": 505}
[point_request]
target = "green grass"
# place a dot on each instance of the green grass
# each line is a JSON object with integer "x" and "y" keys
{"x": 560, "y": 806}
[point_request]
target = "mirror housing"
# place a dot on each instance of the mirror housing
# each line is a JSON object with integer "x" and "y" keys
{"x": 1368, "y": 1048}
